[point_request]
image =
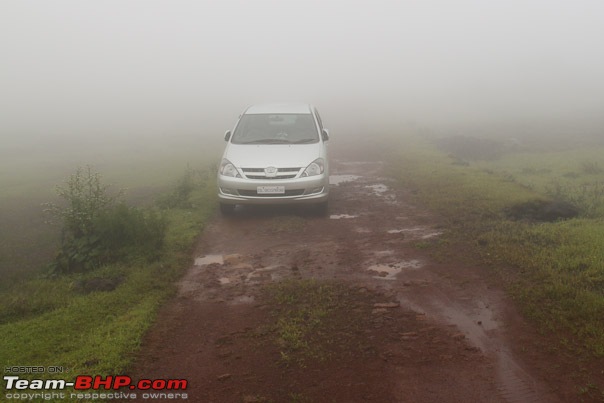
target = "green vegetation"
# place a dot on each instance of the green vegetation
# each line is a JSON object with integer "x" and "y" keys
{"x": 91, "y": 321}
{"x": 97, "y": 230}
{"x": 316, "y": 320}
{"x": 555, "y": 269}
{"x": 575, "y": 176}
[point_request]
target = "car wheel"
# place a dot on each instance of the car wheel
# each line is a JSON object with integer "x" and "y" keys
{"x": 227, "y": 209}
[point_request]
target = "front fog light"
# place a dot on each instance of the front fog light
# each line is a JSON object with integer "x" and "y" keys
{"x": 315, "y": 168}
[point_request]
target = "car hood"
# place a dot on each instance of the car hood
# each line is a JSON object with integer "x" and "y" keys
{"x": 276, "y": 155}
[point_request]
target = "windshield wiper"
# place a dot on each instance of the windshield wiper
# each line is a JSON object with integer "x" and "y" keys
{"x": 304, "y": 141}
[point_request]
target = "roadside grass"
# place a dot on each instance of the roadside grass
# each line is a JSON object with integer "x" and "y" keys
{"x": 554, "y": 269}
{"x": 53, "y": 322}
{"x": 574, "y": 175}
{"x": 315, "y": 321}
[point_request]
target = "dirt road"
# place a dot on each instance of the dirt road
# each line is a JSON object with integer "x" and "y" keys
{"x": 438, "y": 331}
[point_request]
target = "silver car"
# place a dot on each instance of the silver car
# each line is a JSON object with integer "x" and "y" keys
{"x": 277, "y": 154}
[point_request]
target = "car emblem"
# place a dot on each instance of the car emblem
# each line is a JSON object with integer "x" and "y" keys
{"x": 270, "y": 172}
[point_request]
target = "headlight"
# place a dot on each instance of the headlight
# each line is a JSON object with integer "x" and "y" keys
{"x": 228, "y": 169}
{"x": 315, "y": 168}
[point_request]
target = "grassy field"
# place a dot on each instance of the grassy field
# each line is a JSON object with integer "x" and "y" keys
{"x": 554, "y": 269}
{"x": 57, "y": 321}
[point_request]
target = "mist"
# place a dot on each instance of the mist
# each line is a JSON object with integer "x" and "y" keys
{"x": 147, "y": 69}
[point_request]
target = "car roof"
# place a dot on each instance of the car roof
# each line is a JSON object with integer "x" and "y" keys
{"x": 279, "y": 108}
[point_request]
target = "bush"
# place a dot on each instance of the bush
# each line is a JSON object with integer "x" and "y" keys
{"x": 97, "y": 229}
{"x": 85, "y": 197}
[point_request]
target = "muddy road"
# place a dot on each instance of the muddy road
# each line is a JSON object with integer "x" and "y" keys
{"x": 444, "y": 332}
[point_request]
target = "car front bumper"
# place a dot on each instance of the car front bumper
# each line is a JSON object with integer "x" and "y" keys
{"x": 310, "y": 190}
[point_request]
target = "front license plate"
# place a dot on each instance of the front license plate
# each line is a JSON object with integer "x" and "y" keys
{"x": 271, "y": 190}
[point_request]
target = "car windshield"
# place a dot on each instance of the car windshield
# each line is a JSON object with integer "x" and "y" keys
{"x": 276, "y": 129}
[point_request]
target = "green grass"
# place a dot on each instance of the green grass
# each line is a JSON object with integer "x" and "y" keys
{"x": 315, "y": 320}
{"x": 555, "y": 270}
{"x": 575, "y": 175}
{"x": 307, "y": 306}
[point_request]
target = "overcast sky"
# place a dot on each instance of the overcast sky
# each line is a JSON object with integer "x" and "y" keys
{"x": 135, "y": 67}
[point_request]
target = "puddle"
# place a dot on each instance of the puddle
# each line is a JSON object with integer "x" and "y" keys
{"x": 475, "y": 325}
{"x": 340, "y": 216}
{"x": 397, "y": 231}
{"x": 416, "y": 232}
{"x": 209, "y": 259}
{"x": 390, "y": 271}
{"x": 431, "y": 235}
{"x": 337, "y": 179}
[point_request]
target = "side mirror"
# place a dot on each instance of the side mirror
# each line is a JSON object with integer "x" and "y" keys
{"x": 325, "y": 134}
{"x": 227, "y": 135}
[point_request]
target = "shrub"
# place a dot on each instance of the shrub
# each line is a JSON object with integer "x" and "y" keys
{"x": 85, "y": 198}
{"x": 99, "y": 230}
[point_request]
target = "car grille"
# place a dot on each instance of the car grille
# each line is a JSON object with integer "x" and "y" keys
{"x": 282, "y": 173}
{"x": 253, "y": 193}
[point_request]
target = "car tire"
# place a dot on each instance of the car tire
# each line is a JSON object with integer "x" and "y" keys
{"x": 227, "y": 209}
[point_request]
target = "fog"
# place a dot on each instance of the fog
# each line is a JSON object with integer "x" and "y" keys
{"x": 138, "y": 69}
